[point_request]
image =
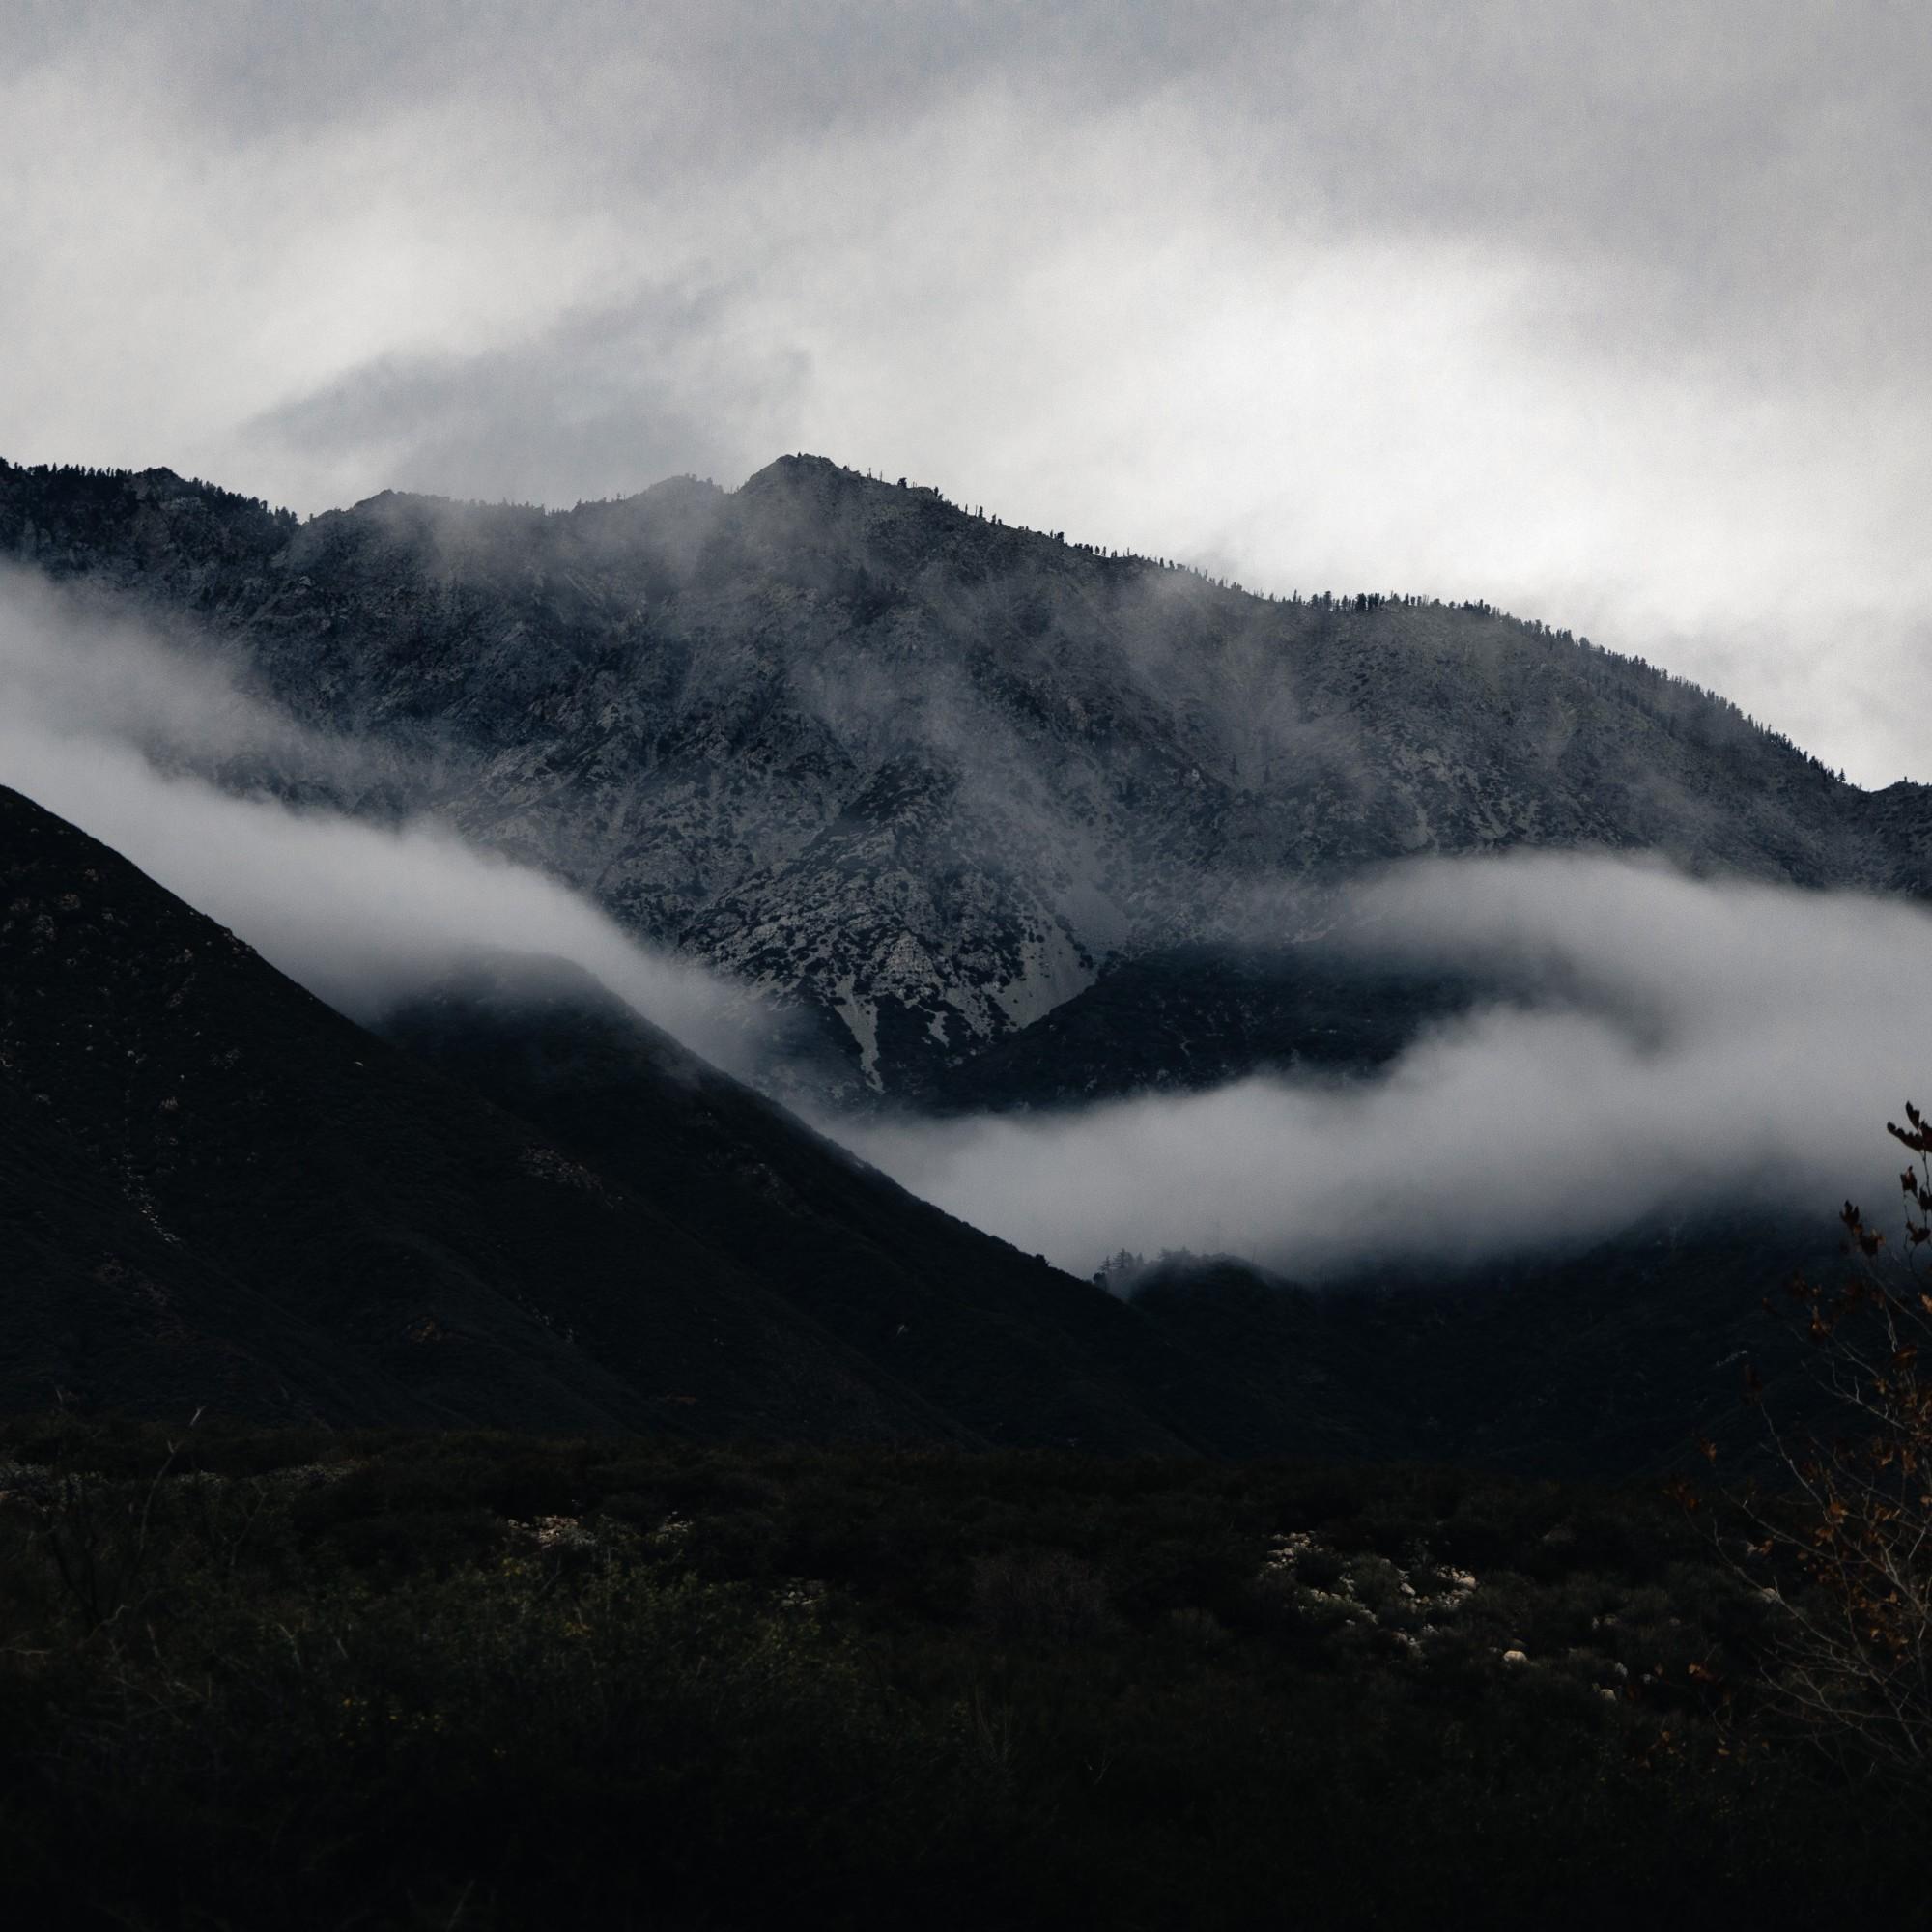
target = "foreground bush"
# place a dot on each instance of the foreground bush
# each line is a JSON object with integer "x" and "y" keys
{"x": 1840, "y": 1540}
{"x": 255, "y": 1681}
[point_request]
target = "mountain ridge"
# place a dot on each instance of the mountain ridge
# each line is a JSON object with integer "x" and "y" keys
{"x": 928, "y": 776}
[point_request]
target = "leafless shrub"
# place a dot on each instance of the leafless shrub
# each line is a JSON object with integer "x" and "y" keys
{"x": 1843, "y": 1548}
{"x": 1040, "y": 1596}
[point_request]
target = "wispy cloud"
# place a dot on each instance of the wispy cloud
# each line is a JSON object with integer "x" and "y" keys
{"x": 599, "y": 403}
{"x": 106, "y": 725}
{"x": 1691, "y": 1042}
{"x": 1703, "y": 1045}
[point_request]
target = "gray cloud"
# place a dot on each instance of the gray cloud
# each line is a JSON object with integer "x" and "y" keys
{"x": 1717, "y": 1043}
{"x": 601, "y": 403}
{"x": 1617, "y": 316}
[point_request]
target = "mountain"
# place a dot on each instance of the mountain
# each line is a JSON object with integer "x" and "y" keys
{"x": 930, "y": 777}
{"x": 526, "y": 1207}
{"x": 980, "y": 1330}
{"x": 1193, "y": 1016}
{"x": 215, "y": 1190}
{"x": 1610, "y": 1359}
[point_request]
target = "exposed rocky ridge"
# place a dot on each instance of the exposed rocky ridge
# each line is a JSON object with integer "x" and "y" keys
{"x": 925, "y": 773}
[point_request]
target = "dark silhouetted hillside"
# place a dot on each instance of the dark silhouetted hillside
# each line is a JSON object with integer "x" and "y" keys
{"x": 218, "y": 1190}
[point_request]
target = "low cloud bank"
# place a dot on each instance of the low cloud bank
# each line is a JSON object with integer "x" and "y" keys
{"x": 93, "y": 710}
{"x": 1695, "y": 1044}
{"x": 1689, "y": 1043}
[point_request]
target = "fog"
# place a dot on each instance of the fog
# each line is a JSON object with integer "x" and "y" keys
{"x": 1701, "y": 1044}
{"x": 95, "y": 710}
{"x": 1690, "y": 1041}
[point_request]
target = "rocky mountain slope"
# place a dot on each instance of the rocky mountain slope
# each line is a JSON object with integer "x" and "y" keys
{"x": 926, "y": 775}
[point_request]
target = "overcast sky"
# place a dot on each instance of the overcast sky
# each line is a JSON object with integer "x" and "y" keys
{"x": 1615, "y": 314}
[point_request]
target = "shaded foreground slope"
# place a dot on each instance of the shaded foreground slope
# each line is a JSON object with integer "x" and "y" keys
{"x": 1612, "y": 1360}
{"x": 276, "y": 1158}
{"x": 979, "y": 1329}
{"x": 546, "y": 1214}
{"x": 218, "y": 1189}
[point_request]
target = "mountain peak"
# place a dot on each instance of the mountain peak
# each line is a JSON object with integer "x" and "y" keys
{"x": 821, "y": 477}
{"x": 927, "y": 777}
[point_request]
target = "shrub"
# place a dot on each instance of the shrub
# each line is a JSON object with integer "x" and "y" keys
{"x": 1042, "y": 1596}
{"x": 1845, "y": 1553}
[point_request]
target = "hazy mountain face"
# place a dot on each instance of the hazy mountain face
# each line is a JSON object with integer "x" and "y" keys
{"x": 925, "y": 775}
